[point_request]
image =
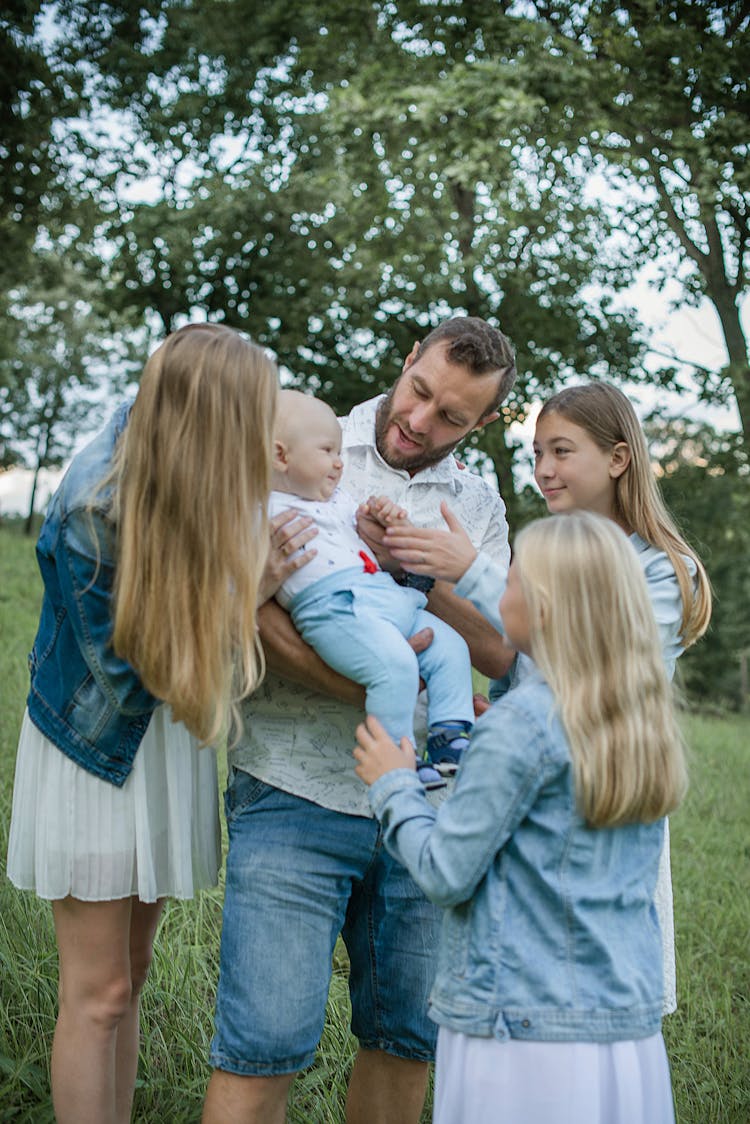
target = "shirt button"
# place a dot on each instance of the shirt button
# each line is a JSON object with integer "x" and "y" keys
{"x": 525, "y": 1022}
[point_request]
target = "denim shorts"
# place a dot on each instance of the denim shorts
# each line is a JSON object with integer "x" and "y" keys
{"x": 297, "y": 875}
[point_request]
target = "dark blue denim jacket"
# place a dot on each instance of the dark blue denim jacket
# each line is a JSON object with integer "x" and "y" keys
{"x": 550, "y": 931}
{"x": 88, "y": 702}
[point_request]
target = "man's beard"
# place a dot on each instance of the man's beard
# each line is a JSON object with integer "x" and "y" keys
{"x": 425, "y": 457}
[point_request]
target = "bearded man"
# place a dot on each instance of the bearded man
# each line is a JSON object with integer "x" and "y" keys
{"x": 306, "y": 860}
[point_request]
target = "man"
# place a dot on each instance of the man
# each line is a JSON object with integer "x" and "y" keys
{"x": 305, "y": 857}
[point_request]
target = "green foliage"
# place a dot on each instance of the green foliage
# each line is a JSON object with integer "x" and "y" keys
{"x": 705, "y": 481}
{"x": 336, "y": 177}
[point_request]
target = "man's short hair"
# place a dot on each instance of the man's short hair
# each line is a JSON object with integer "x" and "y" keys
{"x": 476, "y": 345}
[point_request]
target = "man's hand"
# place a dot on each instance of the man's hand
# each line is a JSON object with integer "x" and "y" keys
{"x": 440, "y": 554}
{"x": 481, "y": 704}
{"x": 419, "y": 642}
{"x": 373, "y": 516}
{"x": 290, "y": 532}
{"x": 377, "y": 754}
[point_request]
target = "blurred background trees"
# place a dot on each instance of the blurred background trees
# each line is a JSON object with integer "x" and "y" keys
{"x": 336, "y": 177}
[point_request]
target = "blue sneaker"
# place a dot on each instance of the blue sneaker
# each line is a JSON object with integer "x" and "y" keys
{"x": 429, "y": 776}
{"x": 446, "y": 744}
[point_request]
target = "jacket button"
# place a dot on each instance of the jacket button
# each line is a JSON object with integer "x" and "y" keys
{"x": 525, "y": 1022}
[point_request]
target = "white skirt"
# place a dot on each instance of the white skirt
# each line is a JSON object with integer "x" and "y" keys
{"x": 484, "y": 1081}
{"x": 665, "y": 912}
{"x": 158, "y": 836}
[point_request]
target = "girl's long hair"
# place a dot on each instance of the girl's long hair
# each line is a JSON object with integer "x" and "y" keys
{"x": 595, "y": 640}
{"x": 608, "y": 417}
{"x": 190, "y": 481}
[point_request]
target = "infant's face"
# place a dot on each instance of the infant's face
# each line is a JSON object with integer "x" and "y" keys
{"x": 314, "y": 463}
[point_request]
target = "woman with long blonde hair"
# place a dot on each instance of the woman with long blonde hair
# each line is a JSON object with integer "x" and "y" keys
{"x": 548, "y": 992}
{"x": 154, "y": 556}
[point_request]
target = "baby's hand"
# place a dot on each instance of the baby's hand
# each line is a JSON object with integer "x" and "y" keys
{"x": 386, "y": 512}
{"x": 373, "y": 517}
{"x": 377, "y": 754}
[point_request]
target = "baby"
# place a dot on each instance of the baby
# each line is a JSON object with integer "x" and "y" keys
{"x": 353, "y": 613}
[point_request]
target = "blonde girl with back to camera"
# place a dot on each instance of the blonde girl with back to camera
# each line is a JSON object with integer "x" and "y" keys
{"x": 548, "y": 992}
{"x": 154, "y": 556}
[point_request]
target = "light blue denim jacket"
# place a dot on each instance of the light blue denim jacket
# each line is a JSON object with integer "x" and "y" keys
{"x": 86, "y": 700}
{"x": 484, "y": 582}
{"x": 549, "y": 931}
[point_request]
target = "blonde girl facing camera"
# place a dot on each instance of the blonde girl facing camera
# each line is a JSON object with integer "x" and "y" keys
{"x": 154, "y": 557}
{"x": 548, "y": 992}
{"x": 590, "y": 454}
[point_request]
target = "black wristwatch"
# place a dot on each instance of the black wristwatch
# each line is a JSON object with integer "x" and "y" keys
{"x": 416, "y": 581}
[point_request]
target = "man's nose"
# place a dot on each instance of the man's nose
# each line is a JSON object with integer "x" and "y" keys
{"x": 419, "y": 418}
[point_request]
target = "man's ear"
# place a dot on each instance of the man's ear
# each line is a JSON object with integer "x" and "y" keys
{"x": 411, "y": 356}
{"x": 487, "y": 419}
{"x": 619, "y": 460}
{"x": 279, "y": 459}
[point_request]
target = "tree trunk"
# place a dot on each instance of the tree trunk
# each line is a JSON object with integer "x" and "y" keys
{"x": 29, "y": 524}
{"x": 42, "y": 455}
{"x": 738, "y": 369}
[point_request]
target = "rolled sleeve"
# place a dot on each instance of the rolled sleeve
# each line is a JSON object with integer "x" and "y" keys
{"x": 483, "y": 585}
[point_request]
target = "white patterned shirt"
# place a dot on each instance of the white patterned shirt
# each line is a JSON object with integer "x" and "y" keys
{"x": 300, "y": 740}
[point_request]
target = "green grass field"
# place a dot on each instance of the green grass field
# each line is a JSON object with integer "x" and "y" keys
{"x": 708, "y": 1039}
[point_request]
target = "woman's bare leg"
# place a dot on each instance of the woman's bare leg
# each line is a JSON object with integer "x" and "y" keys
{"x": 144, "y": 920}
{"x": 96, "y": 1001}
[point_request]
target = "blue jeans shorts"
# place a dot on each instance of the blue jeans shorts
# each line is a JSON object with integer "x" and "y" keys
{"x": 297, "y": 875}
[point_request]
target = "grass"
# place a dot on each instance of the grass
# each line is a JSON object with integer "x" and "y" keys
{"x": 708, "y": 1039}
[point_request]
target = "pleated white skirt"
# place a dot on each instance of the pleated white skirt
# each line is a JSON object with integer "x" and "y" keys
{"x": 484, "y": 1081}
{"x": 157, "y": 836}
{"x": 665, "y": 912}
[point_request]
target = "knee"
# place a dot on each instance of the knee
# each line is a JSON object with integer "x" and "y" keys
{"x": 402, "y": 666}
{"x": 102, "y": 1003}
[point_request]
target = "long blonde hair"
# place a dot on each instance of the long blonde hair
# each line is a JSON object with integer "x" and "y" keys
{"x": 595, "y": 640}
{"x": 191, "y": 477}
{"x": 608, "y": 417}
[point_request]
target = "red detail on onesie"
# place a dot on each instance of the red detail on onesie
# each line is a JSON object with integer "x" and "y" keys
{"x": 370, "y": 567}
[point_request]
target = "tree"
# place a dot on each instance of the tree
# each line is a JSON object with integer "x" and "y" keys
{"x": 340, "y": 176}
{"x": 653, "y": 96}
{"x": 60, "y": 375}
{"x": 328, "y": 183}
{"x": 705, "y": 474}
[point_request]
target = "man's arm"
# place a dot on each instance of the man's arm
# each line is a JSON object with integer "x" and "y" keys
{"x": 289, "y": 656}
{"x": 490, "y": 654}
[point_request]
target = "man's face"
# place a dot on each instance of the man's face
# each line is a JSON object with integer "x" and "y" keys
{"x": 430, "y": 408}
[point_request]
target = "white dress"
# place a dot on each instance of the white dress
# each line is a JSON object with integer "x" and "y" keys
{"x": 157, "y": 836}
{"x": 485, "y": 1081}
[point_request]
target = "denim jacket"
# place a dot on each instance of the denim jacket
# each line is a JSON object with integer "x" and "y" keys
{"x": 549, "y": 931}
{"x": 484, "y": 582}
{"x": 86, "y": 700}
